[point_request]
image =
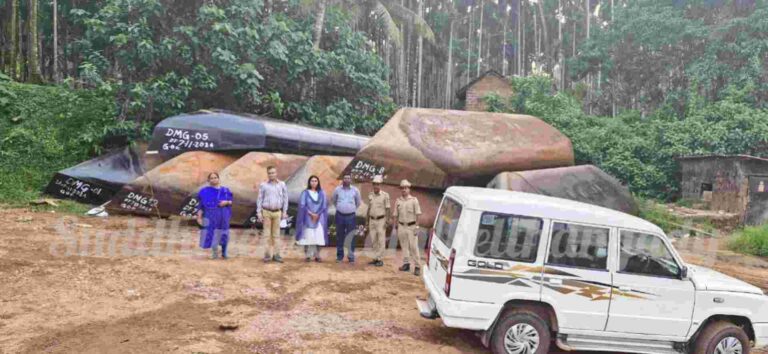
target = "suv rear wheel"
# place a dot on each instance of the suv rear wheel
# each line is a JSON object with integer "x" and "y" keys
{"x": 722, "y": 337}
{"x": 521, "y": 332}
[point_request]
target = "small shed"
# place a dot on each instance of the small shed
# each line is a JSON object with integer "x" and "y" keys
{"x": 731, "y": 183}
{"x": 472, "y": 94}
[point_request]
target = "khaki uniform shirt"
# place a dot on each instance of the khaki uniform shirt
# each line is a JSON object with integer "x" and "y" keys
{"x": 407, "y": 209}
{"x": 378, "y": 204}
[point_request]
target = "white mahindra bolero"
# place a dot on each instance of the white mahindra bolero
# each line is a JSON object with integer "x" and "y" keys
{"x": 525, "y": 270}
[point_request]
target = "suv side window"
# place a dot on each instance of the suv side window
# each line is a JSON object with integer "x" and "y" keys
{"x": 508, "y": 237}
{"x": 578, "y": 246}
{"x": 646, "y": 254}
{"x": 445, "y": 228}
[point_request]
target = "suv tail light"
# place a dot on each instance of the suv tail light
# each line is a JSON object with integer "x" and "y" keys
{"x": 429, "y": 245}
{"x": 449, "y": 274}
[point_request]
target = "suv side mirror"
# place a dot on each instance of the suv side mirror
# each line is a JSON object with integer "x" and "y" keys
{"x": 683, "y": 273}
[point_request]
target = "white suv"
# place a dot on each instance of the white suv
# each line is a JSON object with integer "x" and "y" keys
{"x": 525, "y": 270}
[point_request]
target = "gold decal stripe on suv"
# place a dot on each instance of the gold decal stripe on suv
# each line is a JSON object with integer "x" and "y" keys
{"x": 440, "y": 259}
{"x": 591, "y": 290}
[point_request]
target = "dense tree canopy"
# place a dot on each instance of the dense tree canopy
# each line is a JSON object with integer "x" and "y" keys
{"x": 633, "y": 83}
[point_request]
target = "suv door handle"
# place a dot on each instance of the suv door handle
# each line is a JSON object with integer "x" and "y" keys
{"x": 625, "y": 289}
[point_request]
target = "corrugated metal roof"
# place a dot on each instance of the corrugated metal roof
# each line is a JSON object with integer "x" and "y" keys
{"x": 721, "y": 156}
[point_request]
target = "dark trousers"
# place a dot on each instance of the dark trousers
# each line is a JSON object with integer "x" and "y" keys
{"x": 345, "y": 235}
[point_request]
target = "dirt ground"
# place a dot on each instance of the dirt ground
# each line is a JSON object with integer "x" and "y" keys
{"x": 147, "y": 291}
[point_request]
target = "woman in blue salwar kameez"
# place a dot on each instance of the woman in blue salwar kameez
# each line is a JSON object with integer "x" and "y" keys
{"x": 312, "y": 219}
{"x": 213, "y": 215}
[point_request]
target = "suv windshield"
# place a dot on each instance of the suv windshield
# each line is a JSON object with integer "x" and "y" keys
{"x": 646, "y": 254}
{"x": 445, "y": 228}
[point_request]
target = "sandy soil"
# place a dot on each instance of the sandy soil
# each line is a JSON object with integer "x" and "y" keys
{"x": 130, "y": 297}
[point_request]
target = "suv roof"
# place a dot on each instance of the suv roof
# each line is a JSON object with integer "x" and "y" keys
{"x": 504, "y": 201}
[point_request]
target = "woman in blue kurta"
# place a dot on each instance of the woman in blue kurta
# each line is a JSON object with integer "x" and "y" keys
{"x": 214, "y": 214}
{"x": 312, "y": 219}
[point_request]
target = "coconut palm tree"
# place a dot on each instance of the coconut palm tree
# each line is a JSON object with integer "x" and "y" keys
{"x": 377, "y": 17}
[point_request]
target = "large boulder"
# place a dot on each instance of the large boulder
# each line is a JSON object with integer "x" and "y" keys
{"x": 243, "y": 177}
{"x": 162, "y": 191}
{"x": 327, "y": 168}
{"x": 96, "y": 181}
{"x": 435, "y": 148}
{"x": 216, "y": 130}
{"x": 585, "y": 183}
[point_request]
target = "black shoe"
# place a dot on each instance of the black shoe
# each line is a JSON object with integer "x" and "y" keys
{"x": 277, "y": 259}
{"x": 417, "y": 271}
{"x": 406, "y": 267}
{"x": 373, "y": 262}
{"x": 379, "y": 263}
{"x": 307, "y": 259}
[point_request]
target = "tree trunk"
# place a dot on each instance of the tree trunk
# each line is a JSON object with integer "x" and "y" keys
{"x": 518, "y": 61}
{"x": 420, "y": 54}
{"x": 4, "y": 32}
{"x": 504, "y": 47}
{"x": 469, "y": 44}
{"x": 535, "y": 33}
{"x": 33, "y": 59}
{"x": 15, "y": 42}
{"x": 589, "y": 75}
{"x": 319, "y": 24}
{"x": 523, "y": 59}
{"x": 560, "y": 60}
{"x": 480, "y": 38}
{"x": 545, "y": 38}
{"x": 449, "y": 68}
{"x": 55, "y": 41}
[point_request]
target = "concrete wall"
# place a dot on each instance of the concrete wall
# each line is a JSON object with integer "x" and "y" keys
{"x": 490, "y": 83}
{"x": 725, "y": 175}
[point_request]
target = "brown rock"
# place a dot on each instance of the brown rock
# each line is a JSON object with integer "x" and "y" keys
{"x": 585, "y": 183}
{"x": 435, "y": 148}
{"x": 327, "y": 168}
{"x": 162, "y": 190}
{"x": 244, "y": 175}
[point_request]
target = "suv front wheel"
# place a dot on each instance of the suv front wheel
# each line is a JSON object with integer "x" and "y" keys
{"x": 521, "y": 332}
{"x": 722, "y": 337}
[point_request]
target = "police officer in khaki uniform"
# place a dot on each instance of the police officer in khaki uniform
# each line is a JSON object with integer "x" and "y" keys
{"x": 379, "y": 211}
{"x": 407, "y": 211}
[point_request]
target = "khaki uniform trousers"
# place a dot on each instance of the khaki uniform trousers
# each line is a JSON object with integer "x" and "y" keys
{"x": 409, "y": 242}
{"x": 377, "y": 230}
{"x": 271, "y": 232}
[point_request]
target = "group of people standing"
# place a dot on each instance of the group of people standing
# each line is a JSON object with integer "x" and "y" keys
{"x": 312, "y": 218}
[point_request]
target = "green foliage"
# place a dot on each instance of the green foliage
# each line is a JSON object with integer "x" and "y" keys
{"x": 751, "y": 240}
{"x": 658, "y": 54}
{"x": 686, "y": 203}
{"x": 494, "y": 103}
{"x": 641, "y": 151}
{"x": 50, "y": 129}
{"x": 164, "y": 57}
{"x": 658, "y": 215}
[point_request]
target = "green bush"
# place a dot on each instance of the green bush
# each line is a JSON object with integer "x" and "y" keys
{"x": 641, "y": 151}
{"x": 658, "y": 214}
{"x": 47, "y": 128}
{"x": 751, "y": 240}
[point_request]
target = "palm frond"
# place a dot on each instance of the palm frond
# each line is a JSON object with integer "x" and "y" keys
{"x": 383, "y": 17}
{"x": 406, "y": 15}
